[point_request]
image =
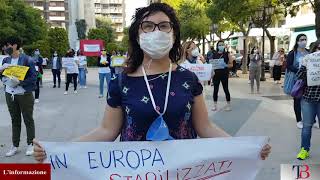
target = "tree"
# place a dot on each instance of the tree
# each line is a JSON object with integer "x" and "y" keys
{"x": 237, "y": 12}
{"x": 106, "y": 23}
{"x": 125, "y": 39}
{"x": 81, "y": 28}
{"x": 19, "y": 19}
{"x": 99, "y": 33}
{"x": 58, "y": 40}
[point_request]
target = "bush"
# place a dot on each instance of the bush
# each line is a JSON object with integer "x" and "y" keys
{"x": 92, "y": 61}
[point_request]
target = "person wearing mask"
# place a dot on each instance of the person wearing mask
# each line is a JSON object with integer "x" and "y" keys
{"x": 38, "y": 60}
{"x": 72, "y": 73}
{"x": 293, "y": 63}
{"x": 190, "y": 54}
{"x": 104, "y": 62}
{"x": 153, "y": 76}
{"x": 210, "y": 54}
{"x": 279, "y": 58}
{"x": 310, "y": 102}
{"x": 221, "y": 74}
{"x": 255, "y": 69}
{"x": 82, "y": 70}
{"x": 56, "y": 66}
{"x": 19, "y": 96}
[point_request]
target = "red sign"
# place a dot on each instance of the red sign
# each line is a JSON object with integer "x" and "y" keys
{"x": 91, "y": 47}
{"x": 25, "y": 171}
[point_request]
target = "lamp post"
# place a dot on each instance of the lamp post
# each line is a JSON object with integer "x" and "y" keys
{"x": 214, "y": 29}
{"x": 263, "y": 15}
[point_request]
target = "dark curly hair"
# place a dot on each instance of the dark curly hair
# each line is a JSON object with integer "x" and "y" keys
{"x": 135, "y": 56}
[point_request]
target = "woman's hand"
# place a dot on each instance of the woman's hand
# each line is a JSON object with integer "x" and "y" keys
{"x": 265, "y": 152}
{"x": 39, "y": 152}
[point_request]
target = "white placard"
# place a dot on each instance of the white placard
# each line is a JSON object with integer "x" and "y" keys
{"x": 313, "y": 69}
{"x": 69, "y": 64}
{"x": 216, "y": 158}
{"x": 203, "y": 71}
{"x": 217, "y": 63}
{"x": 82, "y": 60}
{"x": 118, "y": 61}
{"x": 1, "y": 59}
{"x": 91, "y": 47}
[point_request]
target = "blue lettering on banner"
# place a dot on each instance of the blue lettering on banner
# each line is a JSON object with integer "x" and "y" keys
{"x": 143, "y": 157}
{"x": 90, "y": 159}
{"x": 117, "y": 159}
{"x": 54, "y": 159}
{"x": 154, "y": 158}
{"x": 138, "y": 160}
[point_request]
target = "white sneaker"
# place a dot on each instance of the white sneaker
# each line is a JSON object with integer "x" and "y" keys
{"x": 100, "y": 96}
{"x": 249, "y": 82}
{"x": 65, "y": 93}
{"x": 215, "y": 107}
{"x": 76, "y": 92}
{"x": 29, "y": 151}
{"x": 228, "y": 107}
{"x": 36, "y": 101}
{"x": 13, "y": 151}
{"x": 316, "y": 124}
{"x": 85, "y": 87}
{"x": 300, "y": 125}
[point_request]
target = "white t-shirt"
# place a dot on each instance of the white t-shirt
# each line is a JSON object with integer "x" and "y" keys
{"x": 54, "y": 63}
{"x": 104, "y": 70}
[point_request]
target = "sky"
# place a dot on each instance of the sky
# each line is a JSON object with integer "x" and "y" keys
{"x": 131, "y": 6}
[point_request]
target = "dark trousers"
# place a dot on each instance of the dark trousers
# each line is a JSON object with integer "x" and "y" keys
{"x": 21, "y": 104}
{"x": 297, "y": 108}
{"x": 37, "y": 90}
{"x": 72, "y": 77}
{"x": 277, "y": 73}
{"x": 56, "y": 74}
{"x": 222, "y": 77}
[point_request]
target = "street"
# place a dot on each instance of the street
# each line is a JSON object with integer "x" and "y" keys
{"x": 62, "y": 118}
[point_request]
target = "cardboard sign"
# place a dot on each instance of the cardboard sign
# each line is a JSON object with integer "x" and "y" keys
{"x": 118, "y": 61}
{"x": 217, "y": 63}
{"x": 91, "y": 47}
{"x": 313, "y": 69}
{"x": 69, "y": 64}
{"x": 216, "y": 158}
{"x": 16, "y": 71}
{"x": 203, "y": 71}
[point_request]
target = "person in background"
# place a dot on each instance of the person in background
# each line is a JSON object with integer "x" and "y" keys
{"x": 19, "y": 96}
{"x": 104, "y": 62}
{"x": 56, "y": 66}
{"x": 82, "y": 70}
{"x": 129, "y": 111}
{"x": 310, "y": 102}
{"x": 72, "y": 73}
{"x": 38, "y": 60}
{"x": 190, "y": 54}
{"x": 279, "y": 59}
{"x": 210, "y": 54}
{"x": 255, "y": 69}
{"x": 293, "y": 63}
{"x": 221, "y": 75}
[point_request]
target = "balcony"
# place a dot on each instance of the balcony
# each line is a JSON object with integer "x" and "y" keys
{"x": 57, "y": 18}
{"x": 56, "y": 9}
{"x": 39, "y": 7}
{"x": 115, "y": 1}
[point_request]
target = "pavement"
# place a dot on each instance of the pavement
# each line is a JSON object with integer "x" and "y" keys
{"x": 62, "y": 118}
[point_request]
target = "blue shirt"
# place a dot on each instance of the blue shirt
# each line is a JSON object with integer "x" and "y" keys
{"x": 134, "y": 99}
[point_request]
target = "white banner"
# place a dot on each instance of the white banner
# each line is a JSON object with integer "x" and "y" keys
{"x": 217, "y": 63}
{"x": 313, "y": 72}
{"x": 69, "y": 63}
{"x": 200, "y": 159}
{"x": 203, "y": 71}
{"x": 91, "y": 47}
{"x": 1, "y": 59}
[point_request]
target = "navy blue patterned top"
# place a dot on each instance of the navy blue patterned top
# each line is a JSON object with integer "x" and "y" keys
{"x": 134, "y": 99}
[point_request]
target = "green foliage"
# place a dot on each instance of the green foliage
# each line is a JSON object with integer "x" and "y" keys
{"x": 92, "y": 61}
{"x": 19, "y": 19}
{"x": 106, "y": 24}
{"x": 81, "y": 28}
{"x": 58, "y": 40}
{"x": 125, "y": 40}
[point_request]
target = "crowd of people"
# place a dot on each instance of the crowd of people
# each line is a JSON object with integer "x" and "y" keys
{"x": 141, "y": 92}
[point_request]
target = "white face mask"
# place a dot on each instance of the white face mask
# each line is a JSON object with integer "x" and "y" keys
{"x": 195, "y": 52}
{"x": 156, "y": 44}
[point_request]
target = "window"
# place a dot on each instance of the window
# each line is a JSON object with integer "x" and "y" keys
{"x": 38, "y": 3}
{"x": 56, "y": 4}
{"x": 97, "y": 5}
{"x": 56, "y": 14}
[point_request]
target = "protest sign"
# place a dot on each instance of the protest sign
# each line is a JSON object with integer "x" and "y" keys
{"x": 69, "y": 63}
{"x": 217, "y": 63}
{"x": 313, "y": 72}
{"x": 118, "y": 61}
{"x": 212, "y": 158}
{"x": 16, "y": 71}
{"x": 203, "y": 71}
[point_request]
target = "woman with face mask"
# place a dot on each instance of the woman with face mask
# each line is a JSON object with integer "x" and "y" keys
{"x": 153, "y": 89}
{"x": 255, "y": 69}
{"x": 105, "y": 71}
{"x": 222, "y": 62}
{"x": 56, "y": 66}
{"x": 293, "y": 63}
{"x": 310, "y": 102}
{"x": 190, "y": 53}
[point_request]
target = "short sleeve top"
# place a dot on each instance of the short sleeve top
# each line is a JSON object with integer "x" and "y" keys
{"x": 131, "y": 94}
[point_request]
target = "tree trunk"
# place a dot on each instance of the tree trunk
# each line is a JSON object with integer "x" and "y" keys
{"x": 203, "y": 45}
{"x": 272, "y": 42}
{"x": 245, "y": 56}
{"x": 317, "y": 20}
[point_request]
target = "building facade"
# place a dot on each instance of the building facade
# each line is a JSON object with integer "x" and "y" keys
{"x": 55, "y": 12}
{"x": 114, "y": 10}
